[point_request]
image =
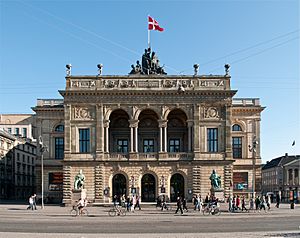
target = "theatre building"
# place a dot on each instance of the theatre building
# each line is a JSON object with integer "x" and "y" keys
{"x": 148, "y": 133}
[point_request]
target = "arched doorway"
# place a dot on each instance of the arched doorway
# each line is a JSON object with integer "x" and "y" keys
{"x": 148, "y": 188}
{"x": 177, "y": 187}
{"x": 119, "y": 185}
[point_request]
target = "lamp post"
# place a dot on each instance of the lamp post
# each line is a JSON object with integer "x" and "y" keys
{"x": 253, "y": 150}
{"x": 42, "y": 150}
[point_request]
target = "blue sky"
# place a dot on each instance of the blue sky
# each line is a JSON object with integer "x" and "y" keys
{"x": 259, "y": 39}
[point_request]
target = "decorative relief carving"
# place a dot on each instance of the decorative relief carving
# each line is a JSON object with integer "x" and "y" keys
{"x": 83, "y": 84}
{"x": 211, "y": 112}
{"x": 82, "y": 113}
{"x": 217, "y": 83}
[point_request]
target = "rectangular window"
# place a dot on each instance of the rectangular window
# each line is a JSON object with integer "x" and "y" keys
{"x": 237, "y": 147}
{"x": 212, "y": 140}
{"x": 84, "y": 140}
{"x": 24, "y": 134}
{"x": 59, "y": 148}
{"x": 174, "y": 145}
{"x": 123, "y": 145}
{"x": 9, "y": 130}
{"x": 148, "y": 145}
{"x": 17, "y": 131}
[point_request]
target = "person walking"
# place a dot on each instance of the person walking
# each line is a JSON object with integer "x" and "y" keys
{"x": 257, "y": 203}
{"x": 263, "y": 203}
{"x": 30, "y": 200}
{"x": 244, "y": 204}
{"x": 277, "y": 200}
{"x": 179, "y": 206}
{"x": 137, "y": 204}
{"x": 128, "y": 203}
{"x": 230, "y": 205}
{"x": 268, "y": 200}
{"x": 34, "y": 201}
{"x": 184, "y": 207}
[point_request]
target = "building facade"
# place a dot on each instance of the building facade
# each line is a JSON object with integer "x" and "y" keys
{"x": 281, "y": 175}
{"x": 148, "y": 134}
{"x": 22, "y": 125}
{"x": 17, "y": 167}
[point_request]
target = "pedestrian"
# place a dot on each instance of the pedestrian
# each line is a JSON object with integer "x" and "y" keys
{"x": 268, "y": 200}
{"x": 238, "y": 202}
{"x": 133, "y": 202}
{"x": 263, "y": 203}
{"x": 230, "y": 205}
{"x": 251, "y": 204}
{"x": 233, "y": 203}
{"x": 123, "y": 200}
{"x": 34, "y": 201}
{"x": 30, "y": 200}
{"x": 257, "y": 203}
{"x": 184, "y": 207}
{"x": 128, "y": 203}
{"x": 115, "y": 200}
{"x": 179, "y": 206}
{"x": 137, "y": 204}
{"x": 277, "y": 200}
{"x": 163, "y": 203}
{"x": 244, "y": 204}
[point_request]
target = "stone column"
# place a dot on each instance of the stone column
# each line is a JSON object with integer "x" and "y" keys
{"x": 228, "y": 140}
{"x": 163, "y": 135}
{"x": 166, "y": 139}
{"x": 190, "y": 130}
{"x": 196, "y": 130}
{"x": 160, "y": 138}
{"x": 106, "y": 126}
{"x": 99, "y": 129}
{"x": 136, "y": 139}
{"x": 133, "y": 124}
{"x": 293, "y": 177}
{"x": 131, "y": 139}
{"x": 68, "y": 134}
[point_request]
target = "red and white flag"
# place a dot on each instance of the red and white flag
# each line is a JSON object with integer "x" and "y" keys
{"x": 153, "y": 24}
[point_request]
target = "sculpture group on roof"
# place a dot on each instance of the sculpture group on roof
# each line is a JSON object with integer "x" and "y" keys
{"x": 150, "y": 64}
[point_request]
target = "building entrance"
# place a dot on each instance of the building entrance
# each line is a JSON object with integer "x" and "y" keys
{"x": 119, "y": 185}
{"x": 177, "y": 187}
{"x": 148, "y": 188}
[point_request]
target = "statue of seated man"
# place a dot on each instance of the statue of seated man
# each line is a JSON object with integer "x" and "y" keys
{"x": 79, "y": 180}
{"x": 215, "y": 180}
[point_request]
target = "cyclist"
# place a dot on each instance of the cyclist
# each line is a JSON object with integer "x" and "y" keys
{"x": 80, "y": 205}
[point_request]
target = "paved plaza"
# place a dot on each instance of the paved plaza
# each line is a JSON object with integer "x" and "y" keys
{"x": 55, "y": 221}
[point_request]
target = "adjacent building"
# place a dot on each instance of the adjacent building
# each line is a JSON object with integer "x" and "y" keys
{"x": 148, "y": 133}
{"x": 17, "y": 166}
{"x": 281, "y": 175}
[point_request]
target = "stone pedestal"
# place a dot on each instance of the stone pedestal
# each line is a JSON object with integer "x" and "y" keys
{"x": 78, "y": 193}
{"x": 218, "y": 193}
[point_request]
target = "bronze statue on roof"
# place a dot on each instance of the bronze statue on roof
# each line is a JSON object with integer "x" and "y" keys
{"x": 150, "y": 64}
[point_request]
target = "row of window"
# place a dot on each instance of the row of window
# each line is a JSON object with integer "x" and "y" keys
{"x": 148, "y": 144}
{"x": 17, "y": 131}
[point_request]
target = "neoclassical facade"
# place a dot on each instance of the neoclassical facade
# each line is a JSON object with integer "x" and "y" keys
{"x": 149, "y": 135}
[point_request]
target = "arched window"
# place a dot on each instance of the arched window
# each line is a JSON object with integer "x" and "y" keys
{"x": 236, "y": 127}
{"x": 60, "y": 128}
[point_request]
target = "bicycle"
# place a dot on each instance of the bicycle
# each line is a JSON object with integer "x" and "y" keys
{"x": 75, "y": 212}
{"x": 211, "y": 209}
{"x": 166, "y": 206}
{"x": 117, "y": 211}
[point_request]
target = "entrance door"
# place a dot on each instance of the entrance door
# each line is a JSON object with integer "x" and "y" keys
{"x": 119, "y": 185}
{"x": 148, "y": 188}
{"x": 177, "y": 187}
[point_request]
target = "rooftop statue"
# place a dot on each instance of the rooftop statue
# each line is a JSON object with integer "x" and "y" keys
{"x": 150, "y": 64}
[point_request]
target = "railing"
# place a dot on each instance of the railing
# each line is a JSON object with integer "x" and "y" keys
{"x": 217, "y": 82}
{"x": 150, "y": 156}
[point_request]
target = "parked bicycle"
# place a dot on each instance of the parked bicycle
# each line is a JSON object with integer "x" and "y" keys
{"x": 117, "y": 210}
{"x": 75, "y": 212}
{"x": 211, "y": 209}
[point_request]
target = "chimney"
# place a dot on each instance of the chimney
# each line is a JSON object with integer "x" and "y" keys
{"x": 286, "y": 155}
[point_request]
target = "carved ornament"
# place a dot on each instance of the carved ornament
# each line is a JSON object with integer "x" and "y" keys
{"x": 211, "y": 112}
{"x": 82, "y": 113}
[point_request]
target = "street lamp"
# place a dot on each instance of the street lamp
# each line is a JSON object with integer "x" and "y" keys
{"x": 43, "y": 148}
{"x": 253, "y": 150}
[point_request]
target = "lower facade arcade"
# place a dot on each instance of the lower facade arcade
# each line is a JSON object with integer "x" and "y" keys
{"x": 147, "y": 180}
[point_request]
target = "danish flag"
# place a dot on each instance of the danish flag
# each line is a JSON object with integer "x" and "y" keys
{"x": 153, "y": 24}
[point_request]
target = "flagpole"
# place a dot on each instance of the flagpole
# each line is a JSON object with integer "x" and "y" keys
{"x": 148, "y": 38}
